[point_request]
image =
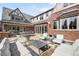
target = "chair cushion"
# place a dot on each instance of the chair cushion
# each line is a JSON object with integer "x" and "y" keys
{"x": 22, "y": 49}
{"x": 75, "y": 44}
{"x": 59, "y": 38}
{"x": 76, "y": 47}
{"x": 63, "y": 50}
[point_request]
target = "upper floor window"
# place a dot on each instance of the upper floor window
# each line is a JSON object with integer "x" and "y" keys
{"x": 12, "y": 17}
{"x": 21, "y": 18}
{"x": 16, "y": 18}
{"x": 65, "y": 4}
{"x": 71, "y": 3}
{"x": 32, "y": 19}
{"x": 46, "y": 14}
{"x": 41, "y": 17}
{"x": 37, "y": 18}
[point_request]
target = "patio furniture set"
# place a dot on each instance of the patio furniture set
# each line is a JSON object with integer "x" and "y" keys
{"x": 57, "y": 47}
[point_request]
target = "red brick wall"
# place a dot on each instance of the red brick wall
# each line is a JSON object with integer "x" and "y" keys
{"x": 30, "y": 28}
{"x": 49, "y": 29}
{"x": 4, "y": 34}
{"x": 69, "y": 35}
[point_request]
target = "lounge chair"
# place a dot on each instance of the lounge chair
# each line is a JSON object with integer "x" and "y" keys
{"x": 44, "y": 36}
{"x": 22, "y": 49}
{"x": 4, "y": 47}
{"x": 50, "y": 38}
{"x": 59, "y": 39}
{"x": 76, "y": 47}
{"x": 66, "y": 49}
{"x": 2, "y": 43}
{"x": 63, "y": 50}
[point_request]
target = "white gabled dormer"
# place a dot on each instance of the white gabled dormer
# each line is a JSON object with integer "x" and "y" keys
{"x": 16, "y": 15}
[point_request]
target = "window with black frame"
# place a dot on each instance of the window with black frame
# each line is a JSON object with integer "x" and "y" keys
{"x": 55, "y": 25}
{"x": 38, "y": 29}
{"x": 46, "y": 14}
{"x": 41, "y": 17}
{"x": 16, "y": 18}
{"x": 0, "y": 29}
{"x": 65, "y": 4}
{"x": 42, "y": 29}
{"x": 45, "y": 29}
{"x": 12, "y": 17}
{"x": 13, "y": 28}
{"x": 73, "y": 24}
{"x": 64, "y": 26}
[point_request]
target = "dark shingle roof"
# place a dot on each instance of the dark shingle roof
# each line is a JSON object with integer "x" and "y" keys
{"x": 43, "y": 13}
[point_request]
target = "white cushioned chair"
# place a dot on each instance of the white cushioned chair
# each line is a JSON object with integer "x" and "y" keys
{"x": 22, "y": 49}
{"x": 66, "y": 49}
{"x": 59, "y": 38}
{"x": 63, "y": 50}
{"x": 44, "y": 36}
{"x": 76, "y": 47}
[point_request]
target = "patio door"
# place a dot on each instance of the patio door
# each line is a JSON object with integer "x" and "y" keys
{"x": 18, "y": 29}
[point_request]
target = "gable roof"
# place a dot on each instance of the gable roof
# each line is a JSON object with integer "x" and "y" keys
{"x": 43, "y": 13}
{"x": 6, "y": 14}
{"x": 17, "y": 9}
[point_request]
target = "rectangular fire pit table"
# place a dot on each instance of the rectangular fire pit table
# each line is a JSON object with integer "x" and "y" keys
{"x": 40, "y": 45}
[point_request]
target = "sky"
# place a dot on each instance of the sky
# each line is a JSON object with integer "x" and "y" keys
{"x": 28, "y": 8}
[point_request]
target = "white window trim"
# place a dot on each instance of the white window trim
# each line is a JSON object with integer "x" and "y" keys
{"x": 67, "y": 25}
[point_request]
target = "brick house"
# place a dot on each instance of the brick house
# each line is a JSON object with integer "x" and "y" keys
{"x": 62, "y": 19}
